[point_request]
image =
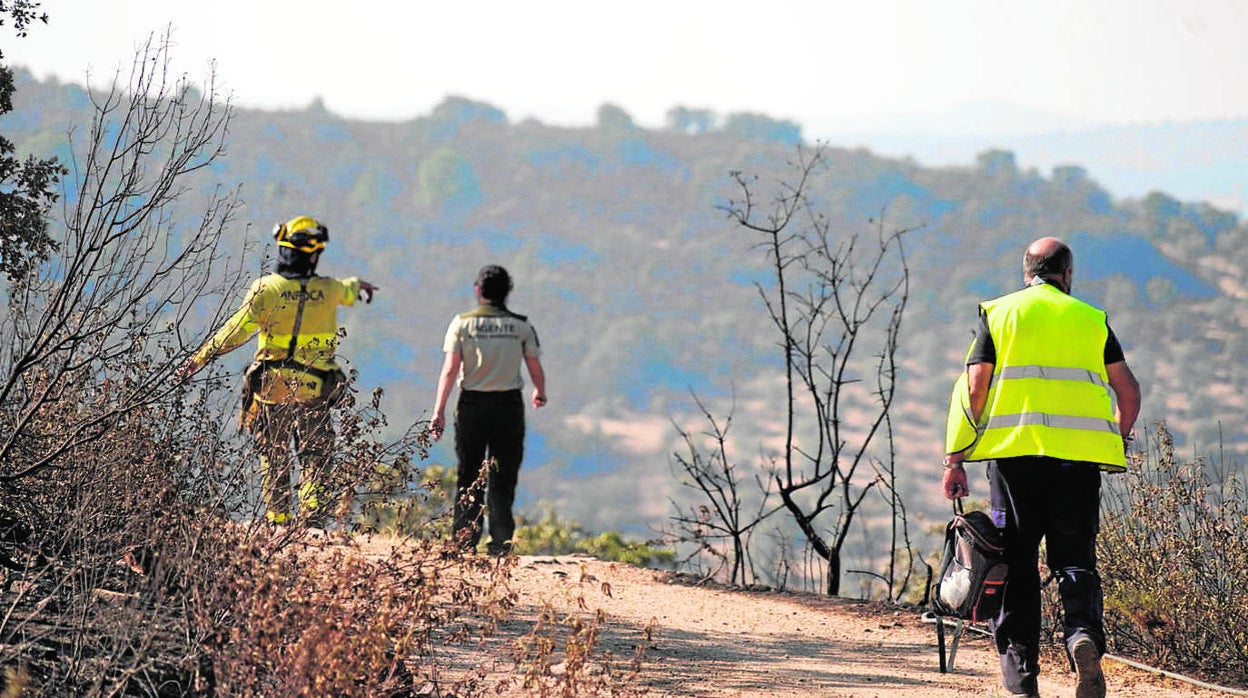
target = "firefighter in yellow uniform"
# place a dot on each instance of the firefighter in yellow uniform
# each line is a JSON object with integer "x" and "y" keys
{"x": 294, "y": 379}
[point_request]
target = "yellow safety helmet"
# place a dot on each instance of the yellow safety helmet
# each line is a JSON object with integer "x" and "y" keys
{"x": 303, "y": 233}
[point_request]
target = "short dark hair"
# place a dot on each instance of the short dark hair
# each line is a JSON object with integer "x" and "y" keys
{"x": 1053, "y": 264}
{"x": 494, "y": 282}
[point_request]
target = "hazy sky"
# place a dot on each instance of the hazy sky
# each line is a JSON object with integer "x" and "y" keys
{"x": 823, "y": 63}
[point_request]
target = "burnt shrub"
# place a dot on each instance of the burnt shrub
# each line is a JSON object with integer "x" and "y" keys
{"x": 1173, "y": 554}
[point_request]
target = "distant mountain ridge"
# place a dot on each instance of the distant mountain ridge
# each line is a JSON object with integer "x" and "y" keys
{"x": 985, "y": 118}
{"x": 1197, "y": 161}
{"x": 643, "y": 291}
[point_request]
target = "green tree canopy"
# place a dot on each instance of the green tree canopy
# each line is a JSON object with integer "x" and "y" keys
{"x": 26, "y": 187}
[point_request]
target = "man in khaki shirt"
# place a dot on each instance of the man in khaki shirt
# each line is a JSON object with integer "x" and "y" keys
{"x": 484, "y": 349}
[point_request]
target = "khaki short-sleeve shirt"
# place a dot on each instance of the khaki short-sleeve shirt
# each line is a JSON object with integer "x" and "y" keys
{"x": 492, "y": 343}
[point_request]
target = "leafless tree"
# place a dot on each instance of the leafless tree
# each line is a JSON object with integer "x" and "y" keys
{"x": 837, "y": 301}
{"x": 103, "y": 318}
{"x": 717, "y": 524}
{"x": 102, "y": 459}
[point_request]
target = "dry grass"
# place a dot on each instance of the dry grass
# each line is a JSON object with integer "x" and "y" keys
{"x": 1173, "y": 554}
{"x": 136, "y": 571}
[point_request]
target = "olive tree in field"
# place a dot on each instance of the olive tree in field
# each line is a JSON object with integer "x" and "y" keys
{"x": 836, "y": 300}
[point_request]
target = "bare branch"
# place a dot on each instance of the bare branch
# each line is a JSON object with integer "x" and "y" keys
{"x": 833, "y": 296}
{"x": 717, "y": 525}
{"x": 115, "y": 296}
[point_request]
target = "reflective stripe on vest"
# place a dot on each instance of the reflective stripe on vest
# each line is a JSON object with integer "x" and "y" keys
{"x": 1033, "y": 419}
{"x": 1050, "y": 373}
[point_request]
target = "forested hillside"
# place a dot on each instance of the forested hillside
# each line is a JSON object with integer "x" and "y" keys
{"x": 643, "y": 290}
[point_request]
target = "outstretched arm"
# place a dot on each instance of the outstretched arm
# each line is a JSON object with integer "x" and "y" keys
{"x": 188, "y": 368}
{"x": 233, "y": 334}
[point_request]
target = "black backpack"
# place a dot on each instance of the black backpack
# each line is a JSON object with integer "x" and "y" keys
{"x": 972, "y": 570}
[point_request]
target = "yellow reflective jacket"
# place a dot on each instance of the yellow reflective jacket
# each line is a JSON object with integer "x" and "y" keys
{"x": 271, "y": 308}
{"x": 1049, "y": 394}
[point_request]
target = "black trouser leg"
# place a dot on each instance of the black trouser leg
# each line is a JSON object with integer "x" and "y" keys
{"x": 488, "y": 425}
{"x": 470, "y": 445}
{"x": 1071, "y": 544}
{"x": 1038, "y": 498}
{"x": 1018, "y": 511}
{"x": 507, "y": 447}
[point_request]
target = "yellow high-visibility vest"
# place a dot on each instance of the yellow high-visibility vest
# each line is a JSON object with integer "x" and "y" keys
{"x": 1049, "y": 394}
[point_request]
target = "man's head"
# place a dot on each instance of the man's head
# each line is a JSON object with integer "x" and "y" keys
{"x": 300, "y": 241}
{"x": 1049, "y": 259}
{"x": 493, "y": 283}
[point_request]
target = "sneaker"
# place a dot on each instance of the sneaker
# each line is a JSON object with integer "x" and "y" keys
{"x": 1088, "y": 668}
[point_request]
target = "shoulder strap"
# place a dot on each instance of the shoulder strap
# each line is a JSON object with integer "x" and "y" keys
{"x": 294, "y": 331}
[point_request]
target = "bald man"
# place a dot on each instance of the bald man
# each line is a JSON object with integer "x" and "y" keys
{"x": 1034, "y": 403}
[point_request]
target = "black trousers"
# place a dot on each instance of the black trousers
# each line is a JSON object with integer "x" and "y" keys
{"x": 1036, "y": 498}
{"x": 489, "y": 426}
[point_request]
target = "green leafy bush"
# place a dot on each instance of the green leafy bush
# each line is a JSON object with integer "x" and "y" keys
{"x": 554, "y": 536}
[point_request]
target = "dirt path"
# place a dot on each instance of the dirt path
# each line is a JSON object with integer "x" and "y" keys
{"x": 718, "y": 642}
{"x": 704, "y": 641}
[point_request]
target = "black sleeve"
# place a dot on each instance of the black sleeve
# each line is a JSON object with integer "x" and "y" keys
{"x": 1113, "y": 350}
{"x": 983, "y": 351}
